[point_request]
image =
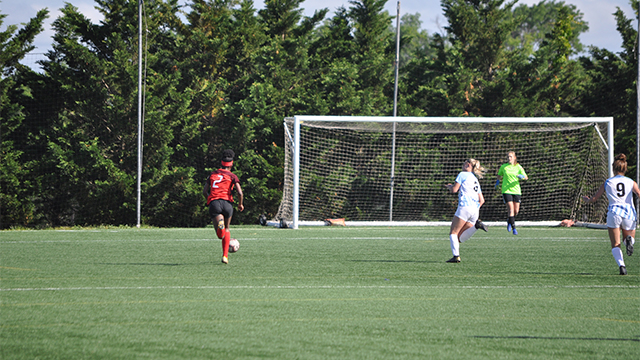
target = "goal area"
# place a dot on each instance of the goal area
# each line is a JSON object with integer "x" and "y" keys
{"x": 393, "y": 170}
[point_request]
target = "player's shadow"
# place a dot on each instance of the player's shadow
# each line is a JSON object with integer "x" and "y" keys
{"x": 554, "y": 338}
{"x": 148, "y": 264}
{"x": 550, "y": 273}
{"x": 396, "y": 261}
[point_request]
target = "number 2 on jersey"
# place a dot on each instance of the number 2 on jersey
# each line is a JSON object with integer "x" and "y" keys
{"x": 214, "y": 184}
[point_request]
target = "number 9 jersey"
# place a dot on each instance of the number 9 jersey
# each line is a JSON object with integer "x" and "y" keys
{"x": 619, "y": 191}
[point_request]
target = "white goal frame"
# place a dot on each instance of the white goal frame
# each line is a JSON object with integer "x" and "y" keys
{"x": 295, "y": 140}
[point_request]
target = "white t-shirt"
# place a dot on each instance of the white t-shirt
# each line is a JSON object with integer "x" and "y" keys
{"x": 469, "y": 190}
{"x": 619, "y": 190}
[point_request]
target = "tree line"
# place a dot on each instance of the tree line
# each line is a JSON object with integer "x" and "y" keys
{"x": 222, "y": 74}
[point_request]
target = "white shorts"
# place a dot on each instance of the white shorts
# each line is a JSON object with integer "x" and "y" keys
{"x": 468, "y": 214}
{"x": 616, "y": 221}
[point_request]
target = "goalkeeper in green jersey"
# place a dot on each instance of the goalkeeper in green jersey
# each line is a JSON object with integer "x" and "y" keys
{"x": 511, "y": 173}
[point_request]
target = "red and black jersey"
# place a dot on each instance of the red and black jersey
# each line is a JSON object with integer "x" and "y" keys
{"x": 220, "y": 184}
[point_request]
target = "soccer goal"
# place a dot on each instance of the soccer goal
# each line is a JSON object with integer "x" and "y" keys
{"x": 392, "y": 170}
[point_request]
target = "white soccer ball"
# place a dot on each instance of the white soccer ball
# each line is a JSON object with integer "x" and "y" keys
{"x": 234, "y": 245}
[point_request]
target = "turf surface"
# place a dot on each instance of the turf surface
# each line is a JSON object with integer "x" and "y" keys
{"x": 316, "y": 293}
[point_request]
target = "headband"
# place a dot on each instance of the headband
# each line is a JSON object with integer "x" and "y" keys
{"x": 227, "y": 163}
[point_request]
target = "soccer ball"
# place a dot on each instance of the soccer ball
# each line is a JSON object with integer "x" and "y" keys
{"x": 234, "y": 245}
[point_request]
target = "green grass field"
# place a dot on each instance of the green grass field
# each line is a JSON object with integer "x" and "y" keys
{"x": 316, "y": 293}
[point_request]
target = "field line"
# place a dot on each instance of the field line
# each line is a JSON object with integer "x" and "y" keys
{"x": 275, "y": 287}
{"x": 315, "y": 238}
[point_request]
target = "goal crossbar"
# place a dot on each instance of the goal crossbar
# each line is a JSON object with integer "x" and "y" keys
{"x": 416, "y": 119}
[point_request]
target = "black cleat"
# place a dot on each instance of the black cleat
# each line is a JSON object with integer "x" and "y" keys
{"x": 627, "y": 242}
{"x": 480, "y": 225}
{"x": 455, "y": 259}
{"x": 623, "y": 270}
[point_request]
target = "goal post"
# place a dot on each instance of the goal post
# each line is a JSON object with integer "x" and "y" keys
{"x": 341, "y": 167}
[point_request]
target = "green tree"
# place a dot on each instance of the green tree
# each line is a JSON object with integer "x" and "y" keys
{"x": 537, "y": 20}
{"x": 374, "y": 48}
{"x": 466, "y": 61}
{"x": 548, "y": 83}
{"x": 91, "y": 158}
{"x": 478, "y": 30}
{"x": 352, "y": 58}
{"x": 414, "y": 40}
{"x": 475, "y": 74}
{"x": 335, "y": 88}
{"x": 196, "y": 72}
{"x": 273, "y": 86}
{"x": 613, "y": 90}
{"x": 228, "y": 75}
{"x": 15, "y": 173}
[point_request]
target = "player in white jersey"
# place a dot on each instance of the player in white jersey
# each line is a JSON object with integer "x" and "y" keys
{"x": 470, "y": 199}
{"x": 621, "y": 213}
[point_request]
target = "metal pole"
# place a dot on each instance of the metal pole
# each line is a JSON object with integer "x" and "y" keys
{"x": 395, "y": 113}
{"x": 397, "y": 63}
{"x": 296, "y": 172}
{"x": 638, "y": 117}
{"x": 139, "y": 111}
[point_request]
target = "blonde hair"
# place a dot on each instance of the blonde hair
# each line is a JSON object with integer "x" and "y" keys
{"x": 620, "y": 164}
{"x": 476, "y": 168}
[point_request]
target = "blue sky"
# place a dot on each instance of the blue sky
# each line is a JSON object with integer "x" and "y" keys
{"x": 598, "y": 13}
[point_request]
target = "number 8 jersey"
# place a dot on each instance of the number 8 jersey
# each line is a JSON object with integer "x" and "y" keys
{"x": 469, "y": 190}
{"x": 619, "y": 191}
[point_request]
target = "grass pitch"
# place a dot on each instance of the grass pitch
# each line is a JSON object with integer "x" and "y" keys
{"x": 316, "y": 293}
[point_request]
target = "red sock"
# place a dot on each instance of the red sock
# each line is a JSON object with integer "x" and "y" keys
{"x": 225, "y": 243}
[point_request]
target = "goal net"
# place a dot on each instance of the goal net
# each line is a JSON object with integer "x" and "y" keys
{"x": 392, "y": 171}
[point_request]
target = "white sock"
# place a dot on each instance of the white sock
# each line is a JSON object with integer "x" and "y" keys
{"x": 467, "y": 234}
{"x": 617, "y": 254}
{"x": 455, "y": 245}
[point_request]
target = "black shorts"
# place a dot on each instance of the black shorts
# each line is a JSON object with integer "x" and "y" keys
{"x": 224, "y": 207}
{"x": 511, "y": 198}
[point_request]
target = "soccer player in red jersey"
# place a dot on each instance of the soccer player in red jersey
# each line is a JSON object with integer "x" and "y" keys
{"x": 218, "y": 191}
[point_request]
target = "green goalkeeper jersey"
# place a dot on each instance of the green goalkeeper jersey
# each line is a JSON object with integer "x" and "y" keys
{"x": 510, "y": 181}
